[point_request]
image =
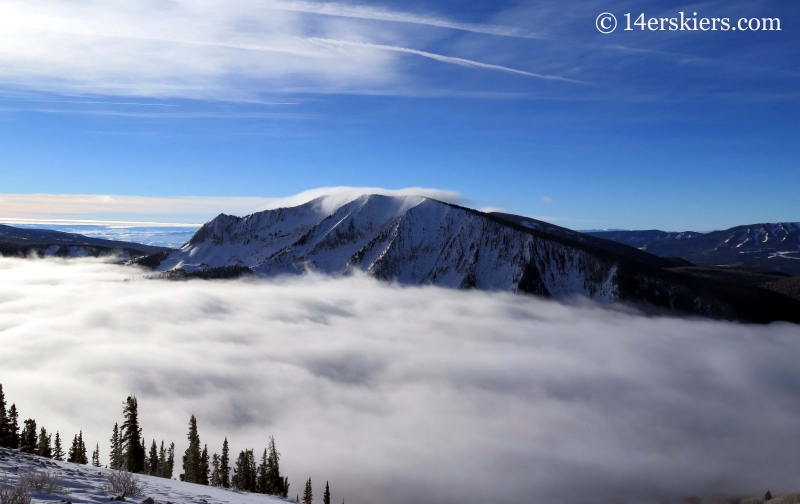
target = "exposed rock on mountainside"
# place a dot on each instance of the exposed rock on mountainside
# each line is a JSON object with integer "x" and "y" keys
{"x": 19, "y": 242}
{"x": 420, "y": 241}
{"x": 763, "y": 246}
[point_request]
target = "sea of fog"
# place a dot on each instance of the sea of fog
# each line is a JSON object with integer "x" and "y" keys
{"x": 161, "y": 236}
{"x": 409, "y": 394}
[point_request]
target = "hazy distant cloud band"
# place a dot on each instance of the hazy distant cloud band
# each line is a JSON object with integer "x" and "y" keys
{"x": 105, "y": 209}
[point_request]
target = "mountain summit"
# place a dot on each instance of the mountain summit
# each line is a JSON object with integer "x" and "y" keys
{"x": 421, "y": 241}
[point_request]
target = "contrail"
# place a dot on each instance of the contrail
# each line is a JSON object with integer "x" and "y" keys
{"x": 445, "y": 59}
{"x": 360, "y": 12}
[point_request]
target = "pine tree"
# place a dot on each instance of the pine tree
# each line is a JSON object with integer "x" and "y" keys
{"x": 74, "y": 451}
{"x": 192, "y": 458}
{"x": 115, "y": 453}
{"x": 96, "y": 455}
{"x": 82, "y": 446}
{"x": 133, "y": 452}
{"x": 216, "y": 480}
{"x": 43, "y": 448}
{"x": 308, "y": 495}
{"x": 224, "y": 466}
{"x": 3, "y": 420}
{"x": 170, "y": 466}
{"x": 277, "y": 485}
{"x": 162, "y": 461}
{"x": 244, "y": 474}
{"x": 77, "y": 452}
{"x": 28, "y": 442}
{"x": 262, "y": 480}
{"x": 58, "y": 451}
{"x": 146, "y": 465}
{"x": 326, "y": 497}
{"x": 12, "y": 427}
{"x": 204, "y": 466}
{"x": 152, "y": 460}
{"x": 285, "y": 487}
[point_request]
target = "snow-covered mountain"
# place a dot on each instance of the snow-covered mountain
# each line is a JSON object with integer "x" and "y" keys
{"x": 411, "y": 239}
{"x": 23, "y": 242}
{"x": 773, "y": 246}
{"x": 419, "y": 241}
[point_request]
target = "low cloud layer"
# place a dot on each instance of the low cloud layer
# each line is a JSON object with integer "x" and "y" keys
{"x": 402, "y": 395}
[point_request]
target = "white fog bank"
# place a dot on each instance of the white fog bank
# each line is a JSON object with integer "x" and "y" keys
{"x": 408, "y": 394}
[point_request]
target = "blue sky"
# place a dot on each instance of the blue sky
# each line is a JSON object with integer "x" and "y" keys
{"x": 520, "y": 105}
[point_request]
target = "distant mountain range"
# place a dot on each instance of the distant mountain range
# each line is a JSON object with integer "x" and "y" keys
{"x": 20, "y": 242}
{"x": 421, "y": 241}
{"x": 763, "y": 246}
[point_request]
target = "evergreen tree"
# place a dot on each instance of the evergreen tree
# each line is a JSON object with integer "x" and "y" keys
{"x": 308, "y": 495}
{"x": 3, "y": 420}
{"x": 285, "y": 487}
{"x": 96, "y": 456}
{"x": 58, "y": 451}
{"x": 28, "y": 442}
{"x": 216, "y": 479}
{"x": 74, "y": 450}
{"x": 204, "y": 466}
{"x": 224, "y": 466}
{"x": 133, "y": 451}
{"x": 326, "y": 497}
{"x": 192, "y": 458}
{"x": 83, "y": 458}
{"x": 115, "y": 455}
{"x": 244, "y": 474}
{"x": 162, "y": 461}
{"x": 12, "y": 427}
{"x": 77, "y": 452}
{"x": 170, "y": 466}
{"x": 262, "y": 479}
{"x": 146, "y": 465}
{"x": 152, "y": 460}
{"x": 277, "y": 485}
{"x": 43, "y": 447}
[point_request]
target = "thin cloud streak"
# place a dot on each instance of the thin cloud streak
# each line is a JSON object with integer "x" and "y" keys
{"x": 447, "y": 59}
{"x": 377, "y": 14}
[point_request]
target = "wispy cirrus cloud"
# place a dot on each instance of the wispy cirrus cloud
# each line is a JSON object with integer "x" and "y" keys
{"x": 381, "y": 14}
{"x": 198, "y": 50}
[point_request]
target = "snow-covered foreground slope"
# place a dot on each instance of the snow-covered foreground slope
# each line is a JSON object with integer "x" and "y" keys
{"x": 83, "y": 484}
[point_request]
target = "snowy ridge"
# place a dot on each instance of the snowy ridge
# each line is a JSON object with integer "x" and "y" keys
{"x": 769, "y": 246}
{"x": 411, "y": 239}
{"x": 84, "y": 484}
{"x": 421, "y": 241}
